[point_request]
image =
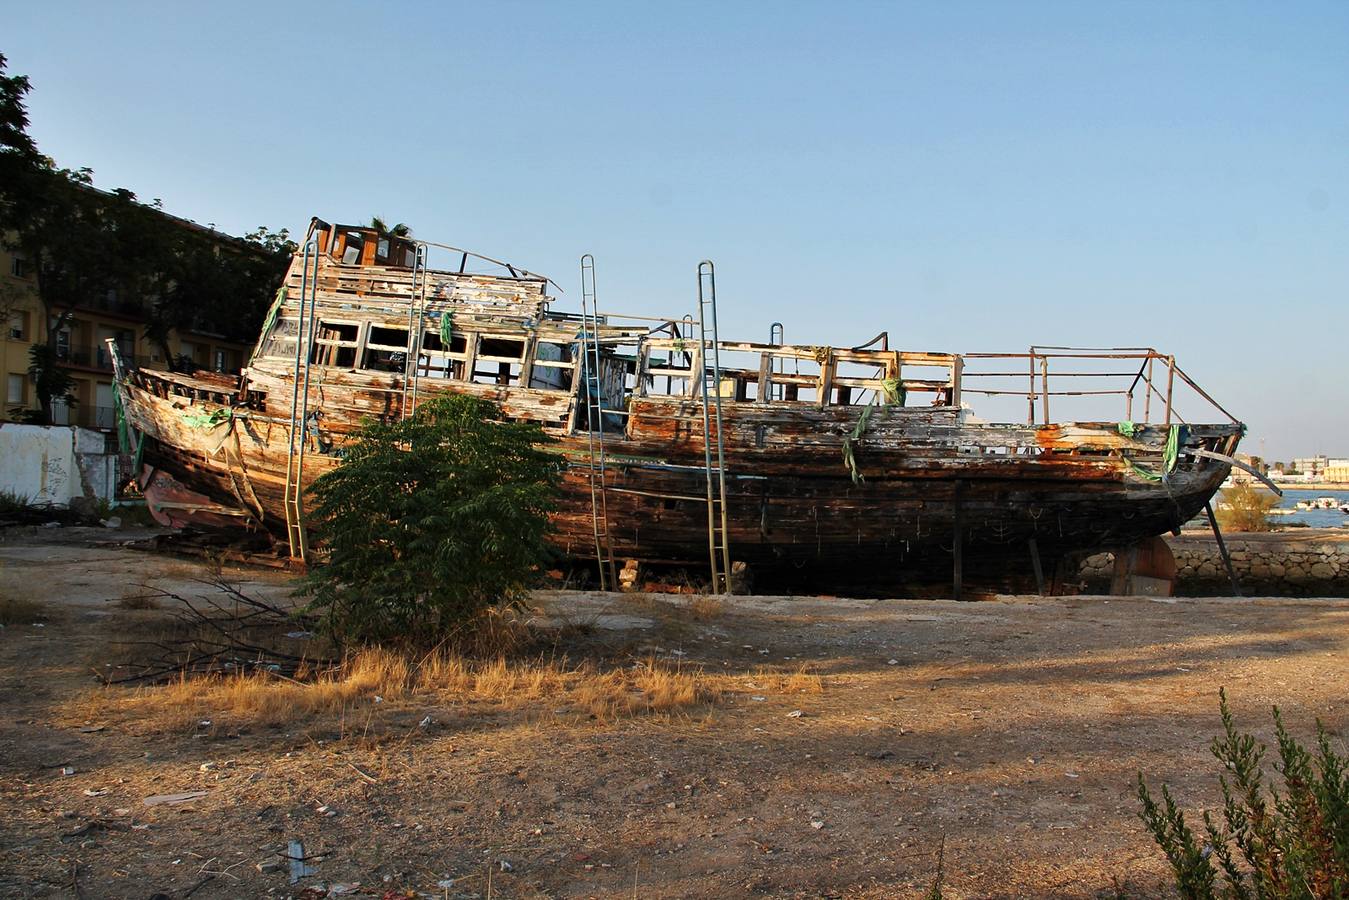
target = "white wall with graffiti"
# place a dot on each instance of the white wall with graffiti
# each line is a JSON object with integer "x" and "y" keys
{"x": 50, "y": 466}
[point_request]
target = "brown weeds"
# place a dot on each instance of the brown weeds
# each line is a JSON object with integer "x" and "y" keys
{"x": 384, "y": 681}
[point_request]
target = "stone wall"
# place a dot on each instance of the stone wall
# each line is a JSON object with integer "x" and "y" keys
{"x": 1301, "y": 563}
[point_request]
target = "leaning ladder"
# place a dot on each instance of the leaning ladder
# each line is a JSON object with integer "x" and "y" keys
{"x": 299, "y": 405}
{"x": 416, "y": 314}
{"x": 718, "y": 540}
{"x": 594, "y": 398}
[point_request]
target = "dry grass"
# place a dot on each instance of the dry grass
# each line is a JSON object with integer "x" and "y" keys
{"x": 137, "y": 598}
{"x": 377, "y": 683}
{"x": 21, "y": 611}
{"x": 704, "y": 608}
{"x": 800, "y": 681}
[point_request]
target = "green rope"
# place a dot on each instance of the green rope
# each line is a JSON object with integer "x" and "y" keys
{"x": 849, "y": 457}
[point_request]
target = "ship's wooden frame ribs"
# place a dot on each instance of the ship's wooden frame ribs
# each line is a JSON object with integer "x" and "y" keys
{"x": 845, "y": 467}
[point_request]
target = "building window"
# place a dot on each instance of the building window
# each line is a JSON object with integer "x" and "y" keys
{"x": 17, "y": 328}
{"x": 63, "y": 344}
{"x": 18, "y": 267}
{"x": 221, "y": 363}
{"x": 16, "y": 390}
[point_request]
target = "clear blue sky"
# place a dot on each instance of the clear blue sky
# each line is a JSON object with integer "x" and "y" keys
{"x": 971, "y": 176}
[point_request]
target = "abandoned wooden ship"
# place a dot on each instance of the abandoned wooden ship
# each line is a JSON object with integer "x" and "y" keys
{"x": 818, "y": 468}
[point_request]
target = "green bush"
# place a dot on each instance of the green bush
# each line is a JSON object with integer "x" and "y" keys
{"x": 1269, "y": 845}
{"x": 1244, "y": 507}
{"x": 430, "y": 521}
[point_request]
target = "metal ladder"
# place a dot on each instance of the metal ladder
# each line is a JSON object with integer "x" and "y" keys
{"x": 709, "y": 383}
{"x": 416, "y": 315}
{"x": 594, "y": 399}
{"x": 299, "y": 406}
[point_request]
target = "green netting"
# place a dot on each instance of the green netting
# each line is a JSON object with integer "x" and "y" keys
{"x": 123, "y": 427}
{"x": 1127, "y": 428}
{"x": 894, "y": 391}
{"x": 446, "y": 329}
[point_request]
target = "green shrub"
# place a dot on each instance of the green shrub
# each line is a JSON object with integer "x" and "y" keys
{"x": 430, "y": 521}
{"x": 1244, "y": 507}
{"x": 1269, "y": 845}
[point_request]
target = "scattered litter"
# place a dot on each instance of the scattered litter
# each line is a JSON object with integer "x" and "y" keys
{"x": 112, "y": 522}
{"x": 206, "y": 767}
{"x": 505, "y": 866}
{"x": 445, "y": 883}
{"x": 267, "y": 866}
{"x": 204, "y": 723}
{"x": 185, "y": 796}
{"x": 379, "y": 699}
{"x": 425, "y": 723}
{"x": 758, "y": 699}
{"x": 298, "y": 868}
{"x": 817, "y": 824}
{"x": 299, "y": 634}
{"x": 1071, "y": 774}
{"x": 763, "y": 652}
{"x": 337, "y": 890}
{"x": 795, "y": 714}
{"x": 92, "y": 729}
{"x": 92, "y": 793}
{"x": 67, "y": 770}
{"x": 892, "y": 662}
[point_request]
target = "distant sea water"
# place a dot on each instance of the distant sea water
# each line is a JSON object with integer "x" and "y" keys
{"x": 1315, "y": 518}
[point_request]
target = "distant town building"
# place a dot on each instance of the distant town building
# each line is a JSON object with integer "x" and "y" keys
{"x": 1337, "y": 470}
{"x": 1314, "y": 466}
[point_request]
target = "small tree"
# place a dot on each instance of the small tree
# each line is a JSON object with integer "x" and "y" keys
{"x": 1244, "y": 507}
{"x": 1268, "y": 845}
{"x": 430, "y": 521}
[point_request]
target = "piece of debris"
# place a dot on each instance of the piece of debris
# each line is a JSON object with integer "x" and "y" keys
{"x": 758, "y": 699}
{"x": 184, "y": 797}
{"x": 67, "y": 770}
{"x": 206, "y": 767}
{"x": 444, "y": 883}
{"x": 92, "y": 729}
{"x": 299, "y": 634}
{"x": 892, "y": 662}
{"x": 89, "y": 792}
{"x": 817, "y": 824}
{"x": 425, "y": 723}
{"x": 298, "y": 868}
{"x": 268, "y": 866}
{"x": 795, "y": 714}
{"x": 505, "y": 865}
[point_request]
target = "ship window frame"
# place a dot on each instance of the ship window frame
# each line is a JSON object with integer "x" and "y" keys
{"x": 441, "y": 363}
{"x": 339, "y": 344}
{"x": 390, "y": 350}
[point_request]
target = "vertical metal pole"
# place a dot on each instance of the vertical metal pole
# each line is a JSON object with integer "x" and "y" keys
{"x": 776, "y": 337}
{"x": 1222, "y": 548}
{"x": 1170, "y": 384}
{"x": 1044, "y": 386}
{"x": 1030, "y": 394}
{"x": 1147, "y": 394}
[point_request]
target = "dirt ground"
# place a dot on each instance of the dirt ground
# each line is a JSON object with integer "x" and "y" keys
{"x": 1011, "y": 730}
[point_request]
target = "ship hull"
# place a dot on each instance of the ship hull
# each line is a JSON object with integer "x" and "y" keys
{"x": 796, "y": 514}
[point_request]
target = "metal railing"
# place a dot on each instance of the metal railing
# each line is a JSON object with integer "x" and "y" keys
{"x": 1150, "y": 388}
